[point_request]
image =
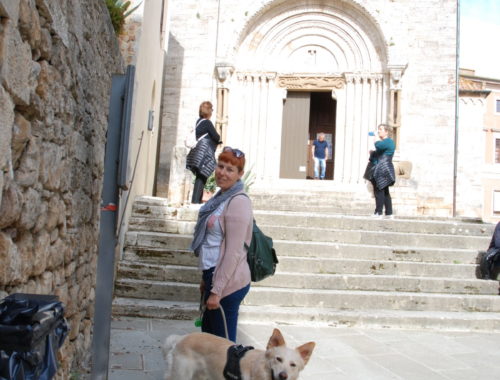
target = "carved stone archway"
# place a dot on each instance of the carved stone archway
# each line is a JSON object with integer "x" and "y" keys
{"x": 313, "y": 46}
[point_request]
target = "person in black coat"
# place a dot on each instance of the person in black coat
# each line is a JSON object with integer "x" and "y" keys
{"x": 204, "y": 127}
{"x": 383, "y": 174}
{"x": 489, "y": 261}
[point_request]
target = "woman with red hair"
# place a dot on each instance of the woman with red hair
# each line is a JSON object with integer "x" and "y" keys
{"x": 223, "y": 229}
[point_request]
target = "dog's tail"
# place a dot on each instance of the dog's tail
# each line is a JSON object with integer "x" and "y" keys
{"x": 168, "y": 353}
{"x": 169, "y": 344}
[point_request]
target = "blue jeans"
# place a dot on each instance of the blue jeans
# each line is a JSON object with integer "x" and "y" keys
{"x": 319, "y": 163}
{"x": 212, "y": 321}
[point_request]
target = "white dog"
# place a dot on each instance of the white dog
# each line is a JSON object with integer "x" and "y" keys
{"x": 201, "y": 356}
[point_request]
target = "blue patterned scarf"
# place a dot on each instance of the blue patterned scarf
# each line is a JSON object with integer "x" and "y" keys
{"x": 208, "y": 208}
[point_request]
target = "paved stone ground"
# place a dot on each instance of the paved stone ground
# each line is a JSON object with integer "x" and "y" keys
{"x": 340, "y": 353}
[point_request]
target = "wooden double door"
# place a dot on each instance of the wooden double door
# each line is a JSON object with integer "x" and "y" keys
{"x": 305, "y": 115}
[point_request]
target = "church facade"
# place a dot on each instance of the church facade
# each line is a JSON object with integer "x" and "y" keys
{"x": 280, "y": 72}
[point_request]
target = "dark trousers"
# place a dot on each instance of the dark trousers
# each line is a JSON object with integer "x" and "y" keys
{"x": 212, "y": 321}
{"x": 382, "y": 199}
{"x": 199, "y": 184}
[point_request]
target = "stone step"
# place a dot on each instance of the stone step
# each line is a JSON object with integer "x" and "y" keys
{"x": 165, "y": 255}
{"x": 335, "y": 268}
{"x": 304, "y": 280}
{"x": 184, "y": 223}
{"x": 341, "y": 266}
{"x": 361, "y": 223}
{"x": 377, "y": 238}
{"x": 329, "y": 298}
{"x": 375, "y": 267}
{"x": 455, "y": 321}
{"x": 376, "y": 252}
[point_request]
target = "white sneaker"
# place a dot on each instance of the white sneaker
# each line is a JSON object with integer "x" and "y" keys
{"x": 389, "y": 216}
{"x": 376, "y": 216}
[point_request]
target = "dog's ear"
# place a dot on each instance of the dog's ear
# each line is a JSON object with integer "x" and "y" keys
{"x": 275, "y": 340}
{"x": 306, "y": 350}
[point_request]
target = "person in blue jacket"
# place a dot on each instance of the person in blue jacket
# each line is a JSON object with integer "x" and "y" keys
{"x": 383, "y": 175}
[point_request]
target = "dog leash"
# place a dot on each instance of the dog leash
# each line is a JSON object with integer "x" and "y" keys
{"x": 202, "y": 308}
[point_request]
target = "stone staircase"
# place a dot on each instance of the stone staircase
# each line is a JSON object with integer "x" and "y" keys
{"x": 335, "y": 269}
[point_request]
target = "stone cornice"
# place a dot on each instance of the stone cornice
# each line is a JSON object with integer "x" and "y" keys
{"x": 310, "y": 82}
{"x": 263, "y": 76}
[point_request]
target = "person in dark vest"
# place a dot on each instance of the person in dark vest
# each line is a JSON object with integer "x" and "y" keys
{"x": 204, "y": 127}
{"x": 489, "y": 264}
{"x": 383, "y": 175}
{"x": 495, "y": 239}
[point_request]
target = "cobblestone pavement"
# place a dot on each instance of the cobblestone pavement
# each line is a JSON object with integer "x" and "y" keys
{"x": 341, "y": 352}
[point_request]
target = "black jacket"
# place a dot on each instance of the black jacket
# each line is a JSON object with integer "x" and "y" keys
{"x": 204, "y": 127}
{"x": 384, "y": 174}
{"x": 495, "y": 239}
{"x": 201, "y": 159}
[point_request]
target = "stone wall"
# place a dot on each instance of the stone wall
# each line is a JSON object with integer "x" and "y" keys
{"x": 56, "y": 61}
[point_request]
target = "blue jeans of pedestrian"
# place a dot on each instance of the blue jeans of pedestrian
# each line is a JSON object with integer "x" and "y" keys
{"x": 212, "y": 321}
{"x": 319, "y": 163}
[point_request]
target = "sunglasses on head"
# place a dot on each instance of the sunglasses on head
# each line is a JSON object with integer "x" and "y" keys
{"x": 237, "y": 153}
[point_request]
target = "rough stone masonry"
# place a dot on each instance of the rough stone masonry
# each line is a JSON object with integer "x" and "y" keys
{"x": 56, "y": 61}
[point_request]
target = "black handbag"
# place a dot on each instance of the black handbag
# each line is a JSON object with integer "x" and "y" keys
{"x": 370, "y": 169}
{"x": 201, "y": 159}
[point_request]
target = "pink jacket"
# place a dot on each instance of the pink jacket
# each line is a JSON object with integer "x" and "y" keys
{"x": 231, "y": 271}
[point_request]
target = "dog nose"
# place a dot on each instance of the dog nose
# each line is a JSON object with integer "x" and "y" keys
{"x": 283, "y": 375}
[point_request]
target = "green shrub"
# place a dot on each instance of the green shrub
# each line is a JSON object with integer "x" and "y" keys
{"x": 118, "y": 11}
{"x": 210, "y": 185}
{"x": 248, "y": 179}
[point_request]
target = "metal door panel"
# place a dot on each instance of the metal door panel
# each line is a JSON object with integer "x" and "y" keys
{"x": 294, "y": 136}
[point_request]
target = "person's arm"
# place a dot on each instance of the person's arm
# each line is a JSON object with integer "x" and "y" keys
{"x": 313, "y": 147}
{"x": 385, "y": 146}
{"x": 381, "y": 146}
{"x": 237, "y": 220}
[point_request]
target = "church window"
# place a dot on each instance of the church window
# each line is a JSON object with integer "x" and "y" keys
{"x": 497, "y": 109}
{"x": 497, "y": 150}
{"x": 496, "y": 201}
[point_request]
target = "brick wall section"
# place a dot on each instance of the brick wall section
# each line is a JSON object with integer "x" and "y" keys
{"x": 56, "y": 62}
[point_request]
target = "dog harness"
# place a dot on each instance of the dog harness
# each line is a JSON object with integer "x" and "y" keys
{"x": 232, "y": 369}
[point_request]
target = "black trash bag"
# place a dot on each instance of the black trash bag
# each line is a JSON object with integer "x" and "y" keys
{"x": 32, "y": 329}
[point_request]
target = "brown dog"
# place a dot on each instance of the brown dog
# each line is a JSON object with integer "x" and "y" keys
{"x": 201, "y": 356}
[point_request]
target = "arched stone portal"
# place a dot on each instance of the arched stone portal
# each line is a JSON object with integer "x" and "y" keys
{"x": 308, "y": 46}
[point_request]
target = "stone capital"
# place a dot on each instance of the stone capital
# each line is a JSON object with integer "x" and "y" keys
{"x": 223, "y": 70}
{"x": 396, "y": 73}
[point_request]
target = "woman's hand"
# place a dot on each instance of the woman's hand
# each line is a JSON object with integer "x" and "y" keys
{"x": 213, "y": 301}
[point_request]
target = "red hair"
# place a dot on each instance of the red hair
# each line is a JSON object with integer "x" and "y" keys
{"x": 206, "y": 109}
{"x": 230, "y": 158}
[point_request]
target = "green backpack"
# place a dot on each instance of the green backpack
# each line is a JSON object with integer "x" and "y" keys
{"x": 261, "y": 255}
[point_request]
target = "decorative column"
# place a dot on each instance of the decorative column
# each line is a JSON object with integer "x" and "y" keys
{"x": 394, "y": 119}
{"x": 223, "y": 71}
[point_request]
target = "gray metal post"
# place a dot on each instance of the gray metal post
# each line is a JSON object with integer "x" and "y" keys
{"x": 119, "y": 108}
{"x": 457, "y": 113}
